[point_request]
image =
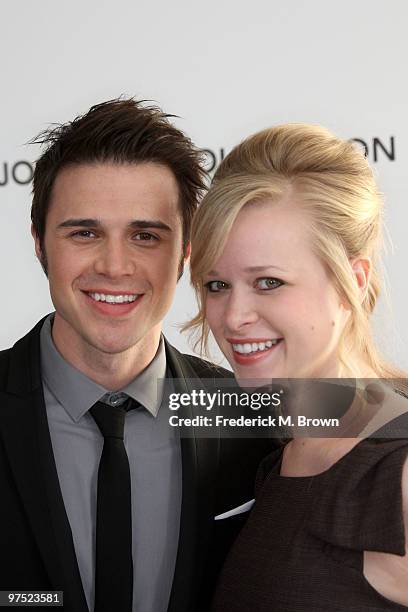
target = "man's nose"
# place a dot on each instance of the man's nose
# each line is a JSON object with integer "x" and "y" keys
{"x": 114, "y": 259}
{"x": 240, "y": 311}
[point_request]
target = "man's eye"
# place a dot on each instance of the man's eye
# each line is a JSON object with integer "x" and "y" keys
{"x": 216, "y": 286}
{"x": 83, "y": 234}
{"x": 268, "y": 283}
{"x": 145, "y": 236}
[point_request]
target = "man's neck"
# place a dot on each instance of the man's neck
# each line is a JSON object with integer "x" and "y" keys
{"x": 112, "y": 371}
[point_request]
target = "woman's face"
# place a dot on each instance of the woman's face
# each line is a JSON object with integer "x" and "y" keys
{"x": 269, "y": 300}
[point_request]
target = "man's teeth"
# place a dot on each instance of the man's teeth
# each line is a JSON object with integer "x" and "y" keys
{"x": 254, "y": 346}
{"x": 113, "y": 299}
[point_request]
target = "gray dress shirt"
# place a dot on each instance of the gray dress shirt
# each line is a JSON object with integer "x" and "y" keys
{"x": 154, "y": 452}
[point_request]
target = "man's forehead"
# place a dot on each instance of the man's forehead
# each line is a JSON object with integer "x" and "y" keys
{"x": 116, "y": 180}
{"x": 112, "y": 191}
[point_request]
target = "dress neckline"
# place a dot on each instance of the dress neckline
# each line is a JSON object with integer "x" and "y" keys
{"x": 371, "y": 440}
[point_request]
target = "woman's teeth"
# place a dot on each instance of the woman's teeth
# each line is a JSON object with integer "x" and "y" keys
{"x": 113, "y": 299}
{"x": 254, "y": 346}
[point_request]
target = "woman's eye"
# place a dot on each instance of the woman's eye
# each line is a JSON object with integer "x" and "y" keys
{"x": 268, "y": 283}
{"x": 216, "y": 286}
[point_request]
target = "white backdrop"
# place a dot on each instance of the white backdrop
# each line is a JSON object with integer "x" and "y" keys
{"x": 227, "y": 68}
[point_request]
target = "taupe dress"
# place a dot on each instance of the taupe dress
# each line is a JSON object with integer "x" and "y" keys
{"x": 301, "y": 549}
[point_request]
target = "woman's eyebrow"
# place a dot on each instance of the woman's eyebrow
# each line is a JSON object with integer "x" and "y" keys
{"x": 263, "y": 268}
{"x": 251, "y": 269}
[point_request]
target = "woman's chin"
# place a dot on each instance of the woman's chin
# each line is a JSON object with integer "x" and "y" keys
{"x": 258, "y": 369}
{"x": 256, "y": 376}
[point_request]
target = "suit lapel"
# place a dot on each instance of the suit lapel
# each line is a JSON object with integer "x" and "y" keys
{"x": 199, "y": 466}
{"x": 28, "y": 446}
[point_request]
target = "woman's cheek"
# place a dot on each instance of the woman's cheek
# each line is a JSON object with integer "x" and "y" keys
{"x": 213, "y": 314}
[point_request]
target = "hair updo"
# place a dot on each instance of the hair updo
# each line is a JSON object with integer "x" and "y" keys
{"x": 332, "y": 181}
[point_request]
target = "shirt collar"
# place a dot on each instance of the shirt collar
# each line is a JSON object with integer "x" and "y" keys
{"x": 77, "y": 393}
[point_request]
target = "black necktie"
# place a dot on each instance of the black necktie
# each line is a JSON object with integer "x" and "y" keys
{"x": 114, "y": 567}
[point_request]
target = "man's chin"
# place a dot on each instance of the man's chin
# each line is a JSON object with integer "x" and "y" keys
{"x": 112, "y": 346}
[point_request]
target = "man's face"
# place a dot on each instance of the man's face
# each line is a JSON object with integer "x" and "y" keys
{"x": 113, "y": 245}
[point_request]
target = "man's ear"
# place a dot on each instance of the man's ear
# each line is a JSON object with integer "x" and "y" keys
{"x": 36, "y": 243}
{"x": 362, "y": 267}
{"x": 184, "y": 260}
{"x": 41, "y": 256}
{"x": 187, "y": 252}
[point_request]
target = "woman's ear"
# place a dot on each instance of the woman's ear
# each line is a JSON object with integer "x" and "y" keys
{"x": 362, "y": 267}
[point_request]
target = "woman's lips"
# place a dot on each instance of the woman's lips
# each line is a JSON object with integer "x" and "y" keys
{"x": 255, "y": 356}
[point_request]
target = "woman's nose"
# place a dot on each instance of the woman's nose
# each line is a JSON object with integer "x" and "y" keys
{"x": 240, "y": 311}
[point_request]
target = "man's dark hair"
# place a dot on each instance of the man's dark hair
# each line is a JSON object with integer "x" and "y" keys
{"x": 121, "y": 131}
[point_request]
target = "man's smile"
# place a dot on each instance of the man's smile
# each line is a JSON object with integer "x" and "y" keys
{"x": 113, "y": 298}
{"x": 113, "y": 304}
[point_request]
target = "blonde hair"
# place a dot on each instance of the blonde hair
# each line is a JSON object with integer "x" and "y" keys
{"x": 333, "y": 181}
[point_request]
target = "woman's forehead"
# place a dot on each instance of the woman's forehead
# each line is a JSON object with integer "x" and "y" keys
{"x": 269, "y": 236}
{"x": 272, "y": 224}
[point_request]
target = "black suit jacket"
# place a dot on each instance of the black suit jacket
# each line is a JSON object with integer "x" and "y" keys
{"x": 36, "y": 546}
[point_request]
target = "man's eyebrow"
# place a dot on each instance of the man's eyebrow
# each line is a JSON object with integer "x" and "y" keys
{"x": 147, "y": 223}
{"x": 79, "y": 223}
{"x": 136, "y": 224}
